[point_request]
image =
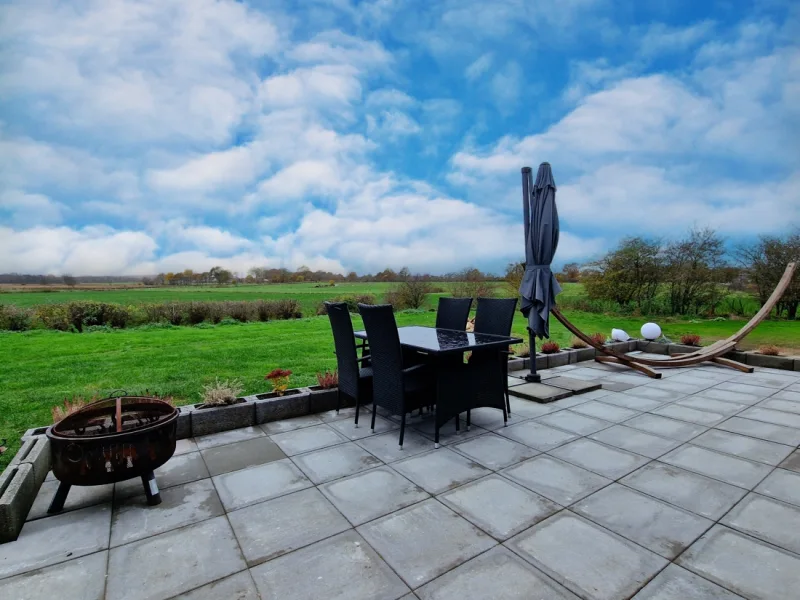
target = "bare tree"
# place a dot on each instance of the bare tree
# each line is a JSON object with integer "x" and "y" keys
{"x": 766, "y": 261}
{"x": 69, "y": 280}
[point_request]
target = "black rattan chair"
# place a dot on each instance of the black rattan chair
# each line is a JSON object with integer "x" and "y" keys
{"x": 355, "y": 378}
{"x": 395, "y": 388}
{"x": 496, "y": 316}
{"x": 453, "y": 313}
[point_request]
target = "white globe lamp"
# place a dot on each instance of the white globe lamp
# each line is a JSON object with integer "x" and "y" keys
{"x": 619, "y": 335}
{"x": 651, "y": 331}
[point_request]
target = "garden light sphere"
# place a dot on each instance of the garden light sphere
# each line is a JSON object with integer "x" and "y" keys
{"x": 619, "y": 335}
{"x": 651, "y": 331}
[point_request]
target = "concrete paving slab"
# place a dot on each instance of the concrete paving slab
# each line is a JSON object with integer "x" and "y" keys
{"x": 574, "y": 422}
{"x": 744, "y": 565}
{"x": 767, "y": 519}
{"x": 185, "y": 445}
{"x": 79, "y": 497}
{"x": 690, "y": 415}
{"x": 634, "y": 402}
{"x": 256, "y": 484}
{"x": 650, "y": 392}
{"x": 557, "y": 480}
{"x": 498, "y": 506}
{"x": 676, "y": 583}
{"x": 721, "y": 407}
{"x": 656, "y": 525}
{"x": 54, "y": 540}
{"x": 498, "y": 574}
{"x": 607, "y": 412}
{"x": 729, "y": 395}
{"x": 440, "y": 470}
{"x": 490, "y": 419}
{"x": 792, "y": 462}
{"x": 236, "y": 587}
{"x": 344, "y": 413}
{"x": 182, "y": 505}
{"x": 789, "y": 406}
{"x": 691, "y": 491}
{"x": 79, "y": 579}
{"x": 372, "y": 494}
{"x": 756, "y": 391}
{"x": 447, "y": 433}
{"x": 681, "y": 387}
{"x": 276, "y": 527}
{"x": 228, "y": 437}
{"x": 730, "y": 469}
{"x": 604, "y": 460}
{"x": 578, "y": 386}
{"x": 512, "y": 381}
{"x": 763, "y": 378}
{"x": 537, "y": 435}
{"x": 539, "y": 392}
{"x": 386, "y": 446}
{"x": 308, "y": 439}
{"x": 630, "y": 378}
{"x": 292, "y": 424}
{"x": 332, "y": 463}
{"x": 636, "y": 441}
{"x": 343, "y": 567}
{"x": 494, "y": 452}
{"x": 348, "y": 429}
{"x": 174, "y": 562}
{"x": 527, "y": 409}
{"x": 787, "y": 395}
{"x": 743, "y": 446}
{"x": 666, "y": 427}
{"x": 240, "y": 455}
{"x": 591, "y": 561}
{"x": 176, "y": 471}
{"x": 761, "y": 430}
{"x": 616, "y": 386}
{"x": 424, "y": 541}
{"x": 783, "y": 485}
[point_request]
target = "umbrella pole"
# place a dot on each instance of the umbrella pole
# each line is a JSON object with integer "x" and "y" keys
{"x": 533, "y": 376}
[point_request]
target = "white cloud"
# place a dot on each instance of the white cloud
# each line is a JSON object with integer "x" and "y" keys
{"x": 27, "y": 210}
{"x": 391, "y": 124}
{"x": 479, "y": 66}
{"x": 234, "y": 166}
{"x": 390, "y": 97}
{"x": 506, "y": 87}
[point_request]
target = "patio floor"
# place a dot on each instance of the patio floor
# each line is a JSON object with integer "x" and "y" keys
{"x": 684, "y": 488}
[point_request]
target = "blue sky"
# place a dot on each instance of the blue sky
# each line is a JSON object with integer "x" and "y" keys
{"x": 157, "y": 135}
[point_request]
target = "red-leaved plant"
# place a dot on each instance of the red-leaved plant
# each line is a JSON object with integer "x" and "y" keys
{"x": 279, "y": 378}
{"x": 550, "y": 347}
{"x": 598, "y": 338}
{"x": 328, "y": 380}
{"x": 690, "y": 339}
{"x": 769, "y": 350}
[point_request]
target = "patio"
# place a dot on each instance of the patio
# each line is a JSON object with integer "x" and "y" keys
{"x": 682, "y": 488}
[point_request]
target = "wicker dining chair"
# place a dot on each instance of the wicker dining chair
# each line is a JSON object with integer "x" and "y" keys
{"x": 355, "y": 378}
{"x": 396, "y": 388}
{"x": 452, "y": 313}
{"x": 495, "y": 316}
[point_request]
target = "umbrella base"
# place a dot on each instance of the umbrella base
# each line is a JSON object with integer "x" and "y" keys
{"x": 533, "y": 378}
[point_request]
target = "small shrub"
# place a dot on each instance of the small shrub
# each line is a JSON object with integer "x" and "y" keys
{"x": 690, "y": 339}
{"x": 14, "y": 318}
{"x": 577, "y": 343}
{"x": 598, "y": 338}
{"x": 241, "y": 311}
{"x": 287, "y": 309}
{"x": 522, "y": 351}
{"x": 321, "y": 309}
{"x": 52, "y": 316}
{"x": 328, "y": 379}
{"x": 279, "y": 378}
{"x": 221, "y": 393}
{"x": 408, "y": 294}
{"x": 769, "y": 350}
{"x": 550, "y": 348}
{"x": 353, "y": 301}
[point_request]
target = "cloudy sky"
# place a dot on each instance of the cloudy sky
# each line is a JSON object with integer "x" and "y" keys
{"x": 139, "y": 136}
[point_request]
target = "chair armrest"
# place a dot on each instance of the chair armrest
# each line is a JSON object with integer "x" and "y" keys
{"x": 363, "y": 358}
{"x": 414, "y": 369}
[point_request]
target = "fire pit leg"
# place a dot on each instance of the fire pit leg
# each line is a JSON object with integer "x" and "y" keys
{"x": 58, "y": 500}
{"x": 151, "y": 488}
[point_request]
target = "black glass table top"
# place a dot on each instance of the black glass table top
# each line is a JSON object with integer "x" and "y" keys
{"x": 442, "y": 341}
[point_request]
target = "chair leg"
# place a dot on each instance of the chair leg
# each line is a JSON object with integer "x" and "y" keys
{"x": 458, "y": 423}
{"x": 402, "y": 429}
{"x": 436, "y": 437}
{"x": 372, "y": 427}
{"x": 508, "y": 401}
{"x": 468, "y": 420}
{"x": 358, "y": 407}
{"x": 339, "y": 401}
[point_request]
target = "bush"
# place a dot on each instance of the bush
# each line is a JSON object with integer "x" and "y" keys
{"x": 690, "y": 339}
{"x": 14, "y": 318}
{"x": 353, "y": 301}
{"x": 577, "y": 343}
{"x": 550, "y": 347}
{"x": 522, "y": 351}
{"x": 408, "y": 294}
{"x": 241, "y": 311}
{"x": 328, "y": 380}
{"x": 52, "y": 316}
{"x": 598, "y": 338}
{"x": 769, "y": 350}
{"x": 220, "y": 393}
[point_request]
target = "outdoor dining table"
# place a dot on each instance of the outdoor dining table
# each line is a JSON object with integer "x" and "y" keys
{"x": 459, "y": 387}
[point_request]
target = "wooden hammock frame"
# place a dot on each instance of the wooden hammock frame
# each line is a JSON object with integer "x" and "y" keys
{"x": 712, "y": 353}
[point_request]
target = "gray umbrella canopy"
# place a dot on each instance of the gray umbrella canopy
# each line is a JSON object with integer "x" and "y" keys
{"x": 539, "y": 286}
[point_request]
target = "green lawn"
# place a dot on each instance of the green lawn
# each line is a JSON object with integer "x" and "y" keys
{"x": 39, "y": 368}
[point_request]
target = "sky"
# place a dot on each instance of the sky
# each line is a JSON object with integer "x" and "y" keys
{"x": 145, "y": 136}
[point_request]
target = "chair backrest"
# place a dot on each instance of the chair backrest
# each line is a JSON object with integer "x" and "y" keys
{"x": 345, "y": 344}
{"x": 495, "y": 315}
{"x": 452, "y": 313}
{"x": 386, "y": 355}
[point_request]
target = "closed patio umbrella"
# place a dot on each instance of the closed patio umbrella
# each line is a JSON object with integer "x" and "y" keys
{"x": 539, "y": 286}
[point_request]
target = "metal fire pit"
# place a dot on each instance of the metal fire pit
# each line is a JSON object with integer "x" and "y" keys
{"x": 112, "y": 440}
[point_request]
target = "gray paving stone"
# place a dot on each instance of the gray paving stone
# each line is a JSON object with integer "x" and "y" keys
{"x": 308, "y": 439}
{"x": 728, "y": 395}
{"x": 711, "y": 405}
{"x": 236, "y": 587}
{"x": 680, "y": 387}
{"x": 676, "y": 583}
{"x": 133, "y": 519}
{"x": 574, "y": 384}
{"x": 488, "y": 418}
{"x": 386, "y": 447}
{"x": 79, "y": 579}
{"x": 276, "y": 527}
{"x": 658, "y": 394}
{"x": 497, "y": 574}
{"x": 292, "y": 424}
{"x": 628, "y": 377}
{"x": 344, "y": 413}
{"x": 539, "y": 392}
{"x": 343, "y": 567}
{"x": 770, "y": 379}
{"x": 792, "y": 462}
{"x": 730, "y": 469}
{"x": 248, "y": 486}
{"x": 627, "y": 401}
{"x": 636, "y": 441}
{"x": 536, "y": 435}
{"x": 574, "y": 400}
{"x": 755, "y": 391}
{"x": 761, "y": 430}
{"x": 574, "y": 422}
{"x": 447, "y": 433}
{"x": 744, "y": 565}
{"x": 424, "y": 541}
{"x": 56, "y": 539}
{"x": 176, "y": 471}
{"x": 787, "y": 395}
{"x": 498, "y": 506}
{"x": 439, "y": 470}
{"x": 372, "y": 494}
{"x": 348, "y": 429}
{"x": 676, "y": 430}
{"x": 557, "y": 480}
{"x": 767, "y": 519}
{"x": 599, "y": 458}
{"x": 783, "y": 485}
{"x": 79, "y": 497}
{"x": 494, "y": 452}
{"x": 664, "y": 529}
{"x": 608, "y": 412}
{"x": 228, "y": 437}
{"x": 240, "y": 455}
{"x": 512, "y": 381}
{"x": 593, "y": 395}
{"x": 174, "y": 562}
{"x": 591, "y": 561}
{"x": 690, "y": 415}
{"x": 743, "y": 446}
{"x": 696, "y": 493}
{"x": 332, "y": 463}
{"x": 788, "y": 406}
{"x": 521, "y": 408}
{"x": 184, "y": 446}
